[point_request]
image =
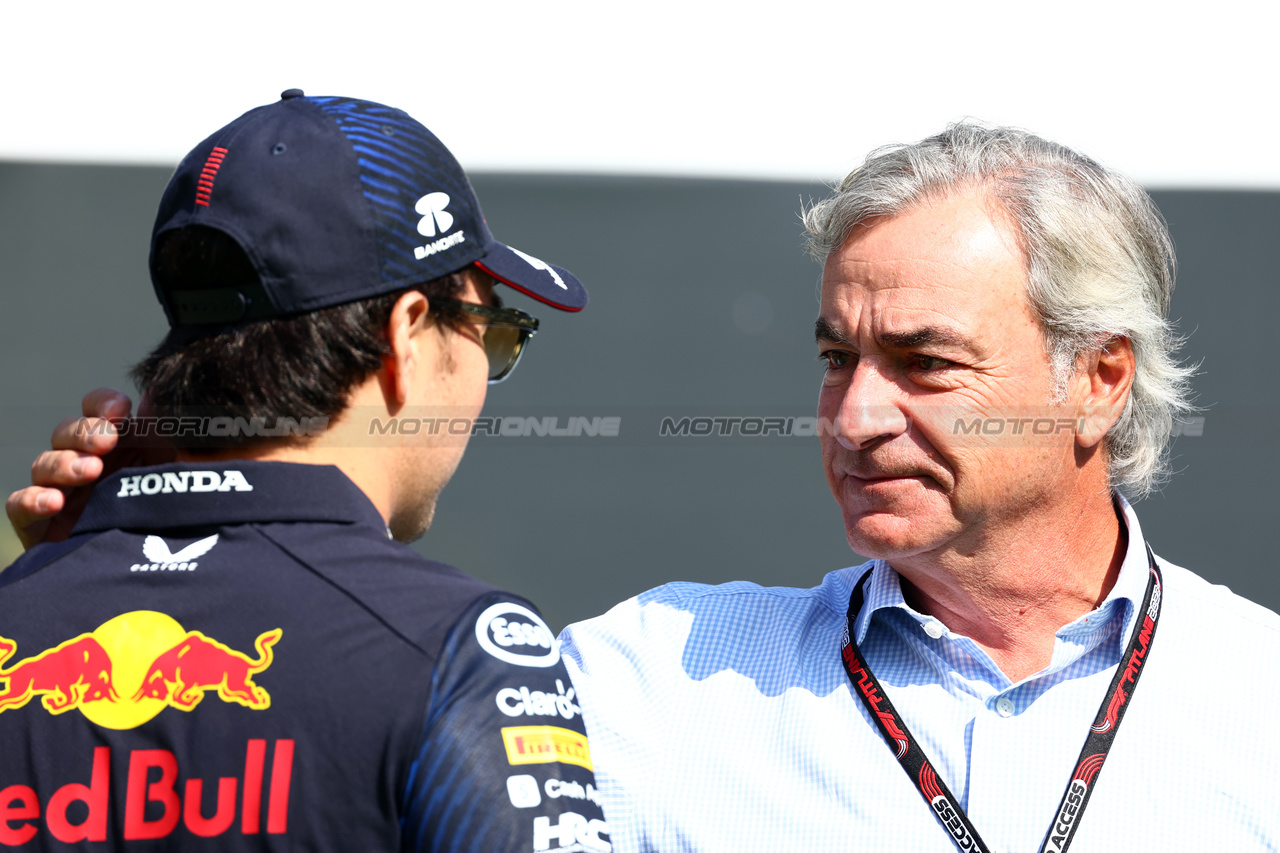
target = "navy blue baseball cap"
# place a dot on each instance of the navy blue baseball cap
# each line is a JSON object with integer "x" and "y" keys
{"x": 334, "y": 200}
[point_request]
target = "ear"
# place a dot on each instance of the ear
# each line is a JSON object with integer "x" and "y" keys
{"x": 409, "y": 355}
{"x": 1104, "y": 378}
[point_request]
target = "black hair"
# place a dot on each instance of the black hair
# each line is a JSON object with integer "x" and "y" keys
{"x": 294, "y": 367}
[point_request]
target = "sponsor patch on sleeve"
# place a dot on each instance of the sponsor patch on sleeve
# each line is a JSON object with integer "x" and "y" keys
{"x": 516, "y": 635}
{"x": 523, "y": 791}
{"x": 546, "y": 745}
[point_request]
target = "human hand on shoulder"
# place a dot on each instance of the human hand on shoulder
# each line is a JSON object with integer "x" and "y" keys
{"x": 82, "y": 450}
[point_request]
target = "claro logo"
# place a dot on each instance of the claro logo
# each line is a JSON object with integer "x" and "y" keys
{"x": 516, "y": 635}
{"x": 536, "y": 703}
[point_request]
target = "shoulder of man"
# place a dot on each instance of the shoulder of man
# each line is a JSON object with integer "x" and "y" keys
{"x": 654, "y": 663}
{"x": 502, "y": 761}
{"x": 698, "y": 613}
{"x": 39, "y": 556}
{"x": 415, "y": 597}
{"x": 504, "y": 708}
{"x": 680, "y": 634}
{"x": 1214, "y": 607}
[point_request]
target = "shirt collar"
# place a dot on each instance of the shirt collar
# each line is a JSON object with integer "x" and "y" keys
{"x": 236, "y": 491}
{"x": 1126, "y": 596}
{"x": 883, "y": 589}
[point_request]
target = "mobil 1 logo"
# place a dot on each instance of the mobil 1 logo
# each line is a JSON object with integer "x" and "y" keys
{"x": 516, "y": 635}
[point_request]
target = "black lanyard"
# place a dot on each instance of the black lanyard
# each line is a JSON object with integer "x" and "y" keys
{"x": 1096, "y": 745}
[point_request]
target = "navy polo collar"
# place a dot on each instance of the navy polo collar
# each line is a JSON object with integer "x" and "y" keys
{"x": 236, "y": 491}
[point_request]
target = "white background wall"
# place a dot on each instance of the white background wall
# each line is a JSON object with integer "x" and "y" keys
{"x": 1175, "y": 95}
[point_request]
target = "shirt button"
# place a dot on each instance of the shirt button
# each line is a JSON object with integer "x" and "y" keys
{"x": 934, "y": 629}
{"x": 1004, "y": 708}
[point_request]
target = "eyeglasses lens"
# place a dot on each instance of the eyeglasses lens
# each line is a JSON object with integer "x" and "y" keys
{"x": 502, "y": 345}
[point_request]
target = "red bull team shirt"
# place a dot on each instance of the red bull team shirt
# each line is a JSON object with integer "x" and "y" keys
{"x": 236, "y": 656}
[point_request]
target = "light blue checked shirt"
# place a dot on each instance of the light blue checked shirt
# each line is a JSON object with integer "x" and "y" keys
{"x": 721, "y": 719}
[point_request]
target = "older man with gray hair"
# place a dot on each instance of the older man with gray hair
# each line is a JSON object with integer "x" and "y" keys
{"x": 1000, "y": 374}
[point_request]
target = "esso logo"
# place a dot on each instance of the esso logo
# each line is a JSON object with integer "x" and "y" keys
{"x": 517, "y": 635}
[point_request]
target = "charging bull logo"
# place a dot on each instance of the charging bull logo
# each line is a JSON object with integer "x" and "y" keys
{"x": 131, "y": 668}
{"x": 77, "y": 671}
{"x": 181, "y": 675}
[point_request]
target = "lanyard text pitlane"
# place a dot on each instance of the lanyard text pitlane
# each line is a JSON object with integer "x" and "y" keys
{"x": 1096, "y": 746}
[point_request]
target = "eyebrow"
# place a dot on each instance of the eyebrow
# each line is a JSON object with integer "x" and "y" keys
{"x": 935, "y": 335}
{"x": 824, "y": 331}
{"x": 925, "y": 335}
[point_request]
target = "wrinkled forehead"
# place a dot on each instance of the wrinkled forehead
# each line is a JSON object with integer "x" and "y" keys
{"x": 951, "y": 258}
{"x": 944, "y": 211}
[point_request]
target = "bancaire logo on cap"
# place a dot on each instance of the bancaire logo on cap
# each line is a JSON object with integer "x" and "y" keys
{"x": 432, "y": 207}
{"x": 516, "y": 635}
{"x": 133, "y": 667}
{"x": 436, "y": 219}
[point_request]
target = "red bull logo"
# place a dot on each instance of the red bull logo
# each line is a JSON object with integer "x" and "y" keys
{"x": 131, "y": 668}
{"x": 76, "y": 671}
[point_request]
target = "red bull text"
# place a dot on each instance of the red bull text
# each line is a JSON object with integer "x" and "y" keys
{"x": 23, "y": 814}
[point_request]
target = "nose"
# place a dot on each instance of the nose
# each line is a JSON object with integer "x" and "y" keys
{"x": 869, "y": 410}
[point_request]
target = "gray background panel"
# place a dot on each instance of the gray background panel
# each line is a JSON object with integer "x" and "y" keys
{"x": 702, "y": 302}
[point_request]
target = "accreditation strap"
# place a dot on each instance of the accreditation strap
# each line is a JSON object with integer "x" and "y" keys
{"x": 1096, "y": 746}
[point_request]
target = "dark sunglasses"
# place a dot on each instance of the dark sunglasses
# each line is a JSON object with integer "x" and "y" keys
{"x": 506, "y": 330}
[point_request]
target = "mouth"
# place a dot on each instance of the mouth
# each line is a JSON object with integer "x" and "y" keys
{"x": 884, "y": 478}
{"x": 886, "y": 484}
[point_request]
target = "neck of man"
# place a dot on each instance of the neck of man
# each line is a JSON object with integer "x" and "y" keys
{"x": 1012, "y": 592}
{"x": 347, "y": 445}
{"x": 362, "y": 469}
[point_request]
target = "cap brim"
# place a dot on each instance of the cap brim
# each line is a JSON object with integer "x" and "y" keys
{"x": 545, "y": 282}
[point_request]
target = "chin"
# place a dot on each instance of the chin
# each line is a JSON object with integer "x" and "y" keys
{"x": 886, "y": 536}
{"x": 895, "y": 519}
{"x": 410, "y": 527}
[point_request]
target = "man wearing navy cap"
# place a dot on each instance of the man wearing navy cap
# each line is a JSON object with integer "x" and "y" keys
{"x": 229, "y": 650}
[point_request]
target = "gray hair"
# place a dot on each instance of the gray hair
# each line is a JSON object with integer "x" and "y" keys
{"x": 1100, "y": 262}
